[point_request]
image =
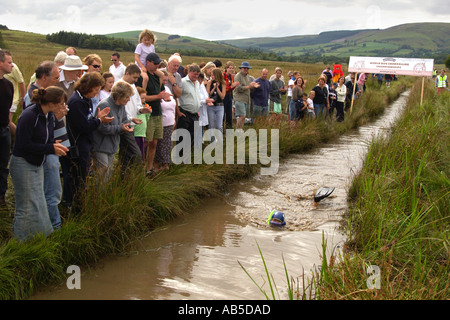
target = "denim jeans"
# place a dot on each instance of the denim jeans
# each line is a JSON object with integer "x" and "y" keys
{"x": 320, "y": 110}
{"x": 31, "y": 216}
{"x": 52, "y": 188}
{"x": 5, "y": 146}
{"x": 215, "y": 118}
{"x": 292, "y": 111}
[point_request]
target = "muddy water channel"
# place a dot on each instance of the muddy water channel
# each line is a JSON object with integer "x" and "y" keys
{"x": 196, "y": 256}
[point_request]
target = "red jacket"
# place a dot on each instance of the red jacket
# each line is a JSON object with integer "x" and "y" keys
{"x": 229, "y": 82}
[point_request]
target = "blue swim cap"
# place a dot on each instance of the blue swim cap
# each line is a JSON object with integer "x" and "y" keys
{"x": 276, "y": 219}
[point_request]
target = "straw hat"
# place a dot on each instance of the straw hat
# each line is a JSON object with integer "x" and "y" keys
{"x": 73, "y": 63}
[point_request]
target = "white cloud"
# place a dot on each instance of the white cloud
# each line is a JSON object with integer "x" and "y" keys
{"x": 219, "y": 19}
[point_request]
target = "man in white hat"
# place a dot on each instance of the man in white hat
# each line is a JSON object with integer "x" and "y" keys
{"x": 70, "y": 72}
{"x": 68, "y": 75}
{"x": 241, "y": 94}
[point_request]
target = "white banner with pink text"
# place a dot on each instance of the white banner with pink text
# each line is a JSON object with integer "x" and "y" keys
{"x": 396, "y": 66}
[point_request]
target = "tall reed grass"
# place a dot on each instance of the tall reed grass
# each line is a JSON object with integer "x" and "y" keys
{"x": 399, "y": 215}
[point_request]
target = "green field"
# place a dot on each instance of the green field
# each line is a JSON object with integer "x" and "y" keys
{"x": 403, "y": 40}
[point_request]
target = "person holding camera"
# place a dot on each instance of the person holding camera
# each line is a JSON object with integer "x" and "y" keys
{"x": 34, "y": 142}
{"x": 216, "y": 89}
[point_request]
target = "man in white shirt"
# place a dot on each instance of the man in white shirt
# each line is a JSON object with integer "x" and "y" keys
{"x": 129, "y": 151}
{"x": 117, "y": 68}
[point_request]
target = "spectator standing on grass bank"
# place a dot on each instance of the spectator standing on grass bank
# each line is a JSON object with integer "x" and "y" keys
{"x": 297, "y": 91}
{"x": 94, "y": 64}
{"x": 154, "y": 95}
{"x": 379, "y": 77}
{"x": 310, "y": 102}
{"x": 6, "y": 94}
{"x": 130, "y": 152}
{"x": 328, "y": 74}
{"x": 241, "y": 94}
{"x": 141, "y": 128}
{"x": 388, "y": 78}
{"x": 207, "y": 71}
{"x": 441, "y": 82}
{"x": 117, "y": 68}
{"x": 16, "y": 79}
{"x": 277, "y": 89}
{"x": 332, "y": 96}
{"x": 321, "y": 102}
{"x": 189, "y": 103}
{"x": 260, "y": 95}
{"x": 341, "y": 93}
{"x": 216, "y": 89}
{"x": 34, "y": 142}
{"x": 106, "y": 89}
{"x": 70, "y": 72}
{"x": 292, "y": 78}
{"x": 228, "y": 76}
{"x": 297, "y": 109}
{"x": 350, "y": 84}
{"x": 106, "y": 138}
{"x": 81, "y": 124}
{"x": 47, "y": 74}
{"x": 202, "y": 111}
{"x": 173, "y": 77}
{"x": 164, "y": 146}
{"x": 145, "y": 46}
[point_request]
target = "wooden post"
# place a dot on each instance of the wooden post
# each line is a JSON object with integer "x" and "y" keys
{"x": 353, "y": 93}
{"x": 421, "y": 96}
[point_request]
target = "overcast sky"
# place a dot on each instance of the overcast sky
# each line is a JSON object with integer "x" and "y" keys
{"x": 218, "y": 19}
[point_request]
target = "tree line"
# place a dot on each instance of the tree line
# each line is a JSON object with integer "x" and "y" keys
{"x": 87, "y": 41}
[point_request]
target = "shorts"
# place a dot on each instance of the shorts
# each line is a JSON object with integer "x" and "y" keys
{"x": 241, "y": 109}
{"x": 154, "y": 128}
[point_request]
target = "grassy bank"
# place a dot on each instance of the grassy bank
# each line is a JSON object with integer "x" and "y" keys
{"x": 119, "y": 212}
{"x": 399, "y": 214}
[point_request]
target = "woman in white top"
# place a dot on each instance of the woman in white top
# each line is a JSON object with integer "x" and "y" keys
{"x": 164, "y": 146}
{"x": 341, "y": 92}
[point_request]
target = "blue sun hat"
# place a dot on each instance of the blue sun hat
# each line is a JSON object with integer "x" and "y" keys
{"x": 276, "y": 219}
{"x": 245, "y": 64}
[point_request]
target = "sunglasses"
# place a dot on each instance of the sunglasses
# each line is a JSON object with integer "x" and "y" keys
{"x": 96, "y": 66}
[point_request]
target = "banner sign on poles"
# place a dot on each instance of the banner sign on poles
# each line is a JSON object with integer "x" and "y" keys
{"x": 397, "y": 66}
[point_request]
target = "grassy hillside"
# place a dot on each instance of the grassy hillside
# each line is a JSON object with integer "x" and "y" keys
{"x": 20, "y": 44}
{"x": 415, "y": 39}
{"x": 167, "y": 42}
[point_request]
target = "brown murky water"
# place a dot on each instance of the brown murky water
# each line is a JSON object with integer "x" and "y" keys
{"x": 196, "y": 256}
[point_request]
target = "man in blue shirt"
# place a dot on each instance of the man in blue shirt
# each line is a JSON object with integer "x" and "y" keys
{"x": 260, "y": 95}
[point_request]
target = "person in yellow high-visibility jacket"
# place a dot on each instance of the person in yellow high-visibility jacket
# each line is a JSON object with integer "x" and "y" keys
{"x": 441, "y": 82}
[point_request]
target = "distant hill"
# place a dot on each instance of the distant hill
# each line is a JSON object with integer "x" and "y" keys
{"x": 414, "y": 39}
{"x": 428, "y": 40}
